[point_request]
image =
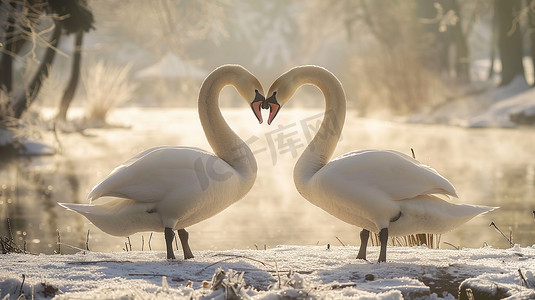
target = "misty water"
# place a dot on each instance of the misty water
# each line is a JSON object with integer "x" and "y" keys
{"x": 493, "y": 167}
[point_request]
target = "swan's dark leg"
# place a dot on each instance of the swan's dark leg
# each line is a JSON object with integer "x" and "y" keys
{"x": 364, "y": 235}
{"x": 383, "y": 238}
{"x": 169, "y": 236}
{"x": 184, "y": 235}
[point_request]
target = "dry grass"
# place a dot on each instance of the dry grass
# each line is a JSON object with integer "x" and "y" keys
{"x": 432, "y": 241}
{"x": 106, "y": 87}
{"x": 8, "y": 245}
{"x": 52, "y": 89}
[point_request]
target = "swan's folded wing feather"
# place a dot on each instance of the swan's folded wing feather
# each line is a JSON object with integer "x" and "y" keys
{"x": 135, "y": 158}
{"x": 154, "y": 174}
{"x": 141, "y": 154}
{"x": 390, "y": 173}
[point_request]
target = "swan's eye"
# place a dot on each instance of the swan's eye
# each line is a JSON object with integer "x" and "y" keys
{"x": 258, "y": 97}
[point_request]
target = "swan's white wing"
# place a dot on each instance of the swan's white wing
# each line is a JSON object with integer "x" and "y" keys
{"x": 158, "y": 172}
{"x": 384, "y": 173}
{"x": 147, "y": 151}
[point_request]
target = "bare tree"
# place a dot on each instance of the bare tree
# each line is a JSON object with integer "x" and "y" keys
{"x": 531, "y": 32}
{"x": 23, "y": 23}
{"x": 6, "y": 77}
{"x": 19, "y": 18}
{"x": 68, "y": 95}
{"x": 493, "y": 43}
{"x": 509, "y": 39}
{"x": 27, "y": 96}
{"x": 461, "y": 32}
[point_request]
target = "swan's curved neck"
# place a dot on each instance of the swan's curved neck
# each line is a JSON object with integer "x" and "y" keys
{"x": 226, "y": 144}
{"x": 321, "y": 148}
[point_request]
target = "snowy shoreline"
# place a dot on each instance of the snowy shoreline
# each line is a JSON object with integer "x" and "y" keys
{"x": 500, "y": 107}
{"x": 319, "y": 272}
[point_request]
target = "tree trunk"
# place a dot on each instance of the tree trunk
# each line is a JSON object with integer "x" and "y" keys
{"x": 492, "y": 54}
{"x": 15, "y": 41}
{"x": 531, "y": 4}
{"x": 30, "y": 94}
{"x": 68, "y": 95}
{"x": 509, "y": 41}
{"x": 437, "y": 58}
{"x": 462, "y": 59}
{"x": 6, "y": 73}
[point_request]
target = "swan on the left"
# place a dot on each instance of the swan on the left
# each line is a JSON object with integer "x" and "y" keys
{"x": 169, "y": 188}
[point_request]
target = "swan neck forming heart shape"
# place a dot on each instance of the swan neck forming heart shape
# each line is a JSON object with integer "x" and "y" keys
{"x": 226, "y": 144}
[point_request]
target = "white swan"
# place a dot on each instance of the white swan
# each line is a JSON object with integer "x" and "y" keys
{"x": 386, "y": 192}
{"x": 170, "y": 187}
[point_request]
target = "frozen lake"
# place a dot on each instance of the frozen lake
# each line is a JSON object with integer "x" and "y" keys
{"x": 494, "y": 167}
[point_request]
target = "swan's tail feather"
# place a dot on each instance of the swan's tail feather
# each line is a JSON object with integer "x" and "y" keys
{"x": 119, "y": 217}
{"x": 80, "y": 208}
{"x": 481, "y": 209}
{"x": 107, "y": 208}
{"x": 468, "y": 209}
{"x": 431, "y": 214}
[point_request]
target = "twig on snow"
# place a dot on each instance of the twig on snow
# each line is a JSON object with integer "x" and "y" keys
{"x": 173, "y": 278}
{"x": 526, "y": 283}
{"x": 73, "y": 247}
{"x": 278, "y": 274}
{"x": 450, "y": 244}
{"x": 59, "y": 242}
{"x": 21, "y": 285}
{"x": 230, "y": 258}
{"x": 492, "y": 224}
{"x": 87, "y": 241}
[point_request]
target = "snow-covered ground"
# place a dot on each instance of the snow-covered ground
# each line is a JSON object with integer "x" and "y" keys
{"x": 284, "y": 271}
{"x": 505, "y": 107}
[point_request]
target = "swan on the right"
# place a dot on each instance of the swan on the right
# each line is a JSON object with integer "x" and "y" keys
{"x": 382, "y": 191}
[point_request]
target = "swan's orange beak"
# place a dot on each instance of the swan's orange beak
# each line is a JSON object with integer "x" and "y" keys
{"x": 274, "y": 107}
{"x": 256, "y": 105}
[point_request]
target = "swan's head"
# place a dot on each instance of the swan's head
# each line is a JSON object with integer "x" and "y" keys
{"x": 279, "y": 93}
{"x": 261, "y": 103}
{"x": 258, "y": 103}
{"x": 273, "y": 105}
{"x": 249, "y": 88}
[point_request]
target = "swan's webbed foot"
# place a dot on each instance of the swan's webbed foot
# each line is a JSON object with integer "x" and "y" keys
{"x": 184, "y": 235}
{"x": 364, "y": 235}
{"x": 383, "y": 238}
{"x": 169, "y": 236}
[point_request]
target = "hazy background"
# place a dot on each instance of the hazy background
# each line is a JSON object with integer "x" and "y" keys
{"x": 393, "y": 57}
